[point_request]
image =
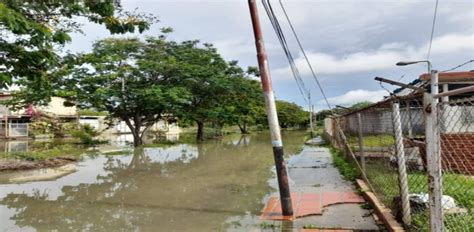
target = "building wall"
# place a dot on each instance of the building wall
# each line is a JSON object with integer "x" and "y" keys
{"x": 458, "y": 119}
{"x": 328, "y": 126}
{"x": 56, "y": 107}
{"x": 170, "y": 128}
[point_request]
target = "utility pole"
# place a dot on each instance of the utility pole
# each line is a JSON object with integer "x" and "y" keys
{"x": 310, "y": 114}
{"x": 287, "y": 208}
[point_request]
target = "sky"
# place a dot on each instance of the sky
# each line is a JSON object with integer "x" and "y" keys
{"x": 348, "y": 42}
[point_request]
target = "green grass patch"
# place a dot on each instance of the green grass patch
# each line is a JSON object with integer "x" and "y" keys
{"x": 381, "y": 140}
{"x": 347, "y": 169}
{"x": 123, "y": 152}
{"x": 384, "y": 179}
{"x": 266, "y": 225}
{"x": 39, "y": 155}
{"x": 310, "y": 226}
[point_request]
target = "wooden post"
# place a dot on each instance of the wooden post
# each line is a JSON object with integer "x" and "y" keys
{"x": 402, "y": 171}
{"x": 433, "y": 156}
{"x": 361, "y": 143}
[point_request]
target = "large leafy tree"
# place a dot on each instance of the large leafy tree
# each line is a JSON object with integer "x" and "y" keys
{"x": 202, "y": 71}
{"x": 128, "y": 79}
{"x": 245, "y": 97}
{"x": 32, "y": 33}
{"x": 291, "y": 115}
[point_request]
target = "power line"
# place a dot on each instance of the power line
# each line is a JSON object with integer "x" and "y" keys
{"x": 432, "y": 30}
{"x": 304, "y": 54}
{"x": 458, "y": 66}
{"x": 281, "y": 37}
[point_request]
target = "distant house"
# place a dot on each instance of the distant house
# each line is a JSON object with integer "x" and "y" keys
{"x": 14, "y": 123}
{"x": 161, "y": 126}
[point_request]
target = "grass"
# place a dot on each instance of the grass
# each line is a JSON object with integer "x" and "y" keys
{"x": 40, "y": 155}
{"x": 310, "y": 226}
{"x": 266, "y": 225}
{"x": 122, "y": 152}
{"x": 346, "y": 168}
{"x": 380, "y": 140}
{"x": 385, "y": 182}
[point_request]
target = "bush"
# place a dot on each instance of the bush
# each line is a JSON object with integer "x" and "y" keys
{"x": 85, "y": 134}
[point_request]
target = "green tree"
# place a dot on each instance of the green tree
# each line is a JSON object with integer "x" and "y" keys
{"x": 128, "y": 79}
{"x": 291, "y": 115}
{"x": 202, "y": 71}
{"x": 361, "y": 105}
{"x": 33, "y": 33}
{"x": 246, "y": 97}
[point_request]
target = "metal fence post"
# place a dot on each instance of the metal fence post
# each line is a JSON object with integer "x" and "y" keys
{"x": 433, "y": 156}
{"x": 402, "y": 171}
{"x": 409, "y": 118}
{"x": 361, "y": 143}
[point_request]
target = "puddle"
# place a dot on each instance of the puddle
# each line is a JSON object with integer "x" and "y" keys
{"x": 220, "y": 185}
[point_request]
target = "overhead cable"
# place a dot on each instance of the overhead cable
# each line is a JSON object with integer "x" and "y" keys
{"x": 304, "y": 54}
{"x": 432, "y": 30}
{"x": 457, "y": 66}
{"x": 281, "y": 37}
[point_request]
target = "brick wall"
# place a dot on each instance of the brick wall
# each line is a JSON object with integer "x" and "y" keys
{"x": 457, "y": 151}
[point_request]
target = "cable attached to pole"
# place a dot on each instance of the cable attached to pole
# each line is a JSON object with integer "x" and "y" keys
{"x": 304, "y": 54}
{"x": 281, "y": 37}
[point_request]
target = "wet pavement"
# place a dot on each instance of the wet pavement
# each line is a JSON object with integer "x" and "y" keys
{"x": 312, "y": 173}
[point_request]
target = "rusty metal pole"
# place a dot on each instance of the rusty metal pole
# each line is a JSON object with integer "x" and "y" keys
{"x": 277, "y": 144}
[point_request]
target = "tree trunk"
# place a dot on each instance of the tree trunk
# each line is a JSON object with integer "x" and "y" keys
{"x": 137, "y": 138}
{"x": 135, "y": 129}
{"x": 243, "y": 128}
{"x": 200, "y": 131}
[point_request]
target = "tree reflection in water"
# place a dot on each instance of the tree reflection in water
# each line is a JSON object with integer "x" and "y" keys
{"x": 198, "y": 191}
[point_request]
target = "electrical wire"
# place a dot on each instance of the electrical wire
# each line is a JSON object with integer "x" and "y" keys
{"x": 432, "y": 30}
{"x": 304, "y": 54}
{"x": 281, "y": 37}
{"x": 458, "y": 66}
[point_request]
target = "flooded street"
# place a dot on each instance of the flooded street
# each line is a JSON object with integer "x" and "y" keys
{"x": 220, "y": 185}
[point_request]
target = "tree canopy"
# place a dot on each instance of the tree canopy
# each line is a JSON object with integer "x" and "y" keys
{"x": 291, "y": 114}
{"x": 33, "y": 32}
{"x": 117, "y": 77}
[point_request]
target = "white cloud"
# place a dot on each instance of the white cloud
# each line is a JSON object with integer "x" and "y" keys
{"x": 382, "y": 58}
{"x": 355, "y": 96}
{"x": 234, "y": 48}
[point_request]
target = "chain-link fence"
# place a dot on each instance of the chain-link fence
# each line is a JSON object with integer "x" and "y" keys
{"x": 396, "y": 143}
{"x": 456, "y": 126}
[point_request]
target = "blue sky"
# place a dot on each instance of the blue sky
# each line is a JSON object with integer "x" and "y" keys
{"x": 348, "y": 42}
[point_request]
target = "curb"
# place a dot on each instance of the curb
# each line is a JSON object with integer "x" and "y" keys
{"x": 383, "y": 212}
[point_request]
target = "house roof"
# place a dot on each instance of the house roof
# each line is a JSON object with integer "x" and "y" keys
{"x": 451, "y": 77}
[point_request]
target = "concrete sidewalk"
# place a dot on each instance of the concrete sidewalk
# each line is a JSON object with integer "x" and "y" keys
{"x": 311, "y": 173}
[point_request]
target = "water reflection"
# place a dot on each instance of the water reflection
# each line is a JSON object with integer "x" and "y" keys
{"x": 203, "y": 187}
{"x": 13, "y": 145}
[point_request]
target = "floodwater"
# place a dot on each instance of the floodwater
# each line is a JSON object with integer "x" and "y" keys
{"x": 220, "y": 185}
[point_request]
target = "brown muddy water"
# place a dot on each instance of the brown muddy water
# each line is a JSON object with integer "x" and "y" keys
{"x": 220, "y": 185}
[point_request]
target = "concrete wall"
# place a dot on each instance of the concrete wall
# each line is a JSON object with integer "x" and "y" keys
{"x": 56, "y": 107}
{"x": 329, "y": 126}
{"x": 457, "y": 119}
{"x": 169, "y": 128}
